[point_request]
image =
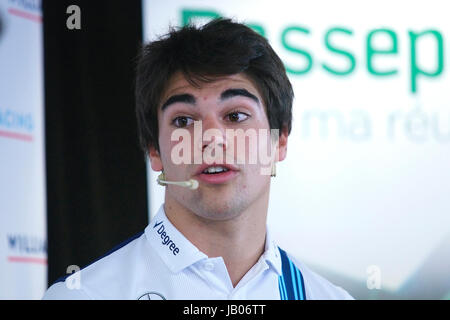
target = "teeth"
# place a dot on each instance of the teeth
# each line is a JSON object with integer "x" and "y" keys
{"x": 215, "y": 169}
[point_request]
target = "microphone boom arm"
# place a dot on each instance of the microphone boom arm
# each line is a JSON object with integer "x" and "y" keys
{"x": 191, "y": 184}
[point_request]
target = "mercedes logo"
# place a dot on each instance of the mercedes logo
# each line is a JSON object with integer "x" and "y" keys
{"x": 152, "y": 296}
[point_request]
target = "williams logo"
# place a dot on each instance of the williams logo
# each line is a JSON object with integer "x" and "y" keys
{"x": 26, "y": 248}
{"x": 166, "y": 240}
{"x": 16, "y": 125}
{"x": 26, "y": 9}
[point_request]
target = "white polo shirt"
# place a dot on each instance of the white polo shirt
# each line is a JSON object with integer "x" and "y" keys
{"x": 161, "y": 263}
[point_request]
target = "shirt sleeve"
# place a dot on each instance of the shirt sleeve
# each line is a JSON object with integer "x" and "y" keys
{"x": 59, "y": 291}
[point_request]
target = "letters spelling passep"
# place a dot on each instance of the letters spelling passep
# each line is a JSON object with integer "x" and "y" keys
{"x": 166, "y": 239}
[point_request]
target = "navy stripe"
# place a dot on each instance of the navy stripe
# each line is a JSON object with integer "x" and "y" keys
{"x": 119, "y": 246}
{"x": 302, "y": 288}
{"x": 284, "y": 289}
{"x": 287, "y": 275}
{"x": 281, "y": 288}
{"x": 292, "y": 279}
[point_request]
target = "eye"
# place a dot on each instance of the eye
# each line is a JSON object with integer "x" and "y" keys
{"x": 182, "y": 121}
{"x": 237, "y": 116}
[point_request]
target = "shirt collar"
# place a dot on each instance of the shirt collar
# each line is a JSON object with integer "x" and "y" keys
{"x": 171, "y": 245}
{"x": 178, "y": 252}
{"x": 272, "y": 253}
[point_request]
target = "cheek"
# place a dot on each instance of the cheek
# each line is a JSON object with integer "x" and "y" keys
{"x": 165, "y": 146}
{"x": 176, "y": 147}
{"x": 254, "y": 147}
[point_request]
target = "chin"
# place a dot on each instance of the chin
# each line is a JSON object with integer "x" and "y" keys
{"x": 219, "y": 210}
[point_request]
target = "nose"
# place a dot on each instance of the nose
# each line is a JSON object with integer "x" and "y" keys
{"x": 215, "y": 143}
{"x": 213, "y": 133}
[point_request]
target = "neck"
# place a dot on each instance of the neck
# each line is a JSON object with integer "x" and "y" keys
{"x": 240, "y": 241}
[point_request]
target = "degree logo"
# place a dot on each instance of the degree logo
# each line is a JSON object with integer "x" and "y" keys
{"x": 166, "y": 240}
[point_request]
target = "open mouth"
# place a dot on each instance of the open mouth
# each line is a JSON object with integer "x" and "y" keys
{"x": 215, "y": 170}
{"x": 217, "y": 174}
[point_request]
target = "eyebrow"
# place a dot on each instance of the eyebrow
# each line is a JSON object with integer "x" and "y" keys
{"x": 231, "y": 93}
{"x": 190, "y": 99}
{"x": 184, "y": 98}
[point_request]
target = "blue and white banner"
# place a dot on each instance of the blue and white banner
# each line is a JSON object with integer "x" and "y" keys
{"x": 23, "y": 244}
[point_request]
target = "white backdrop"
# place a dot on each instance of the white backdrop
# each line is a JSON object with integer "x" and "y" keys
{"x": 363, "y": 196}
{"x": 23, "y": 244}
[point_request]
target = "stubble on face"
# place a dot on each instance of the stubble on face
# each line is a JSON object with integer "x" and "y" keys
{"x": 222, "y": 202}
{"x": 218, "y": 202}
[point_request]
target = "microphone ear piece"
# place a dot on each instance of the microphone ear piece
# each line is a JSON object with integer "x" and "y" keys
{"x": 273, "y": 172}
{"x": 162, "y": 177}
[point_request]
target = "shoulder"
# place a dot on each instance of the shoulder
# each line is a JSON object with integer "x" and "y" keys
{"x": 317, "y": 287}
{"x": 62, "y": 291}
{"x": 110, "y": 277}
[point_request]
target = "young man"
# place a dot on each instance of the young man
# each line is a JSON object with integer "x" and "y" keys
{"x": 201, "y": 92}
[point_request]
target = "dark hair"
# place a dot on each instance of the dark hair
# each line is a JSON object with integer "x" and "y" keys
{"x": 220, "y": 47}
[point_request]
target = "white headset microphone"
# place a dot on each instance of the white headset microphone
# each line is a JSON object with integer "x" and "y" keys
{"x": 192, "y": 184}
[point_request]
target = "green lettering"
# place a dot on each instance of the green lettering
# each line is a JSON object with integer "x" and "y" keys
{"x": 371, "y": 51}
{"x": 332, "y": 48}
{"x": 187, "y": 15}
{"x": 292, "y": 48}
{"x": 415, "y": 70}
{"x": 258, "y": 28}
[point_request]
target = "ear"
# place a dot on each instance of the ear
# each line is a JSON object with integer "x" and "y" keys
{"x": 155, "y": 159}
{"x": 282, "y": 144}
